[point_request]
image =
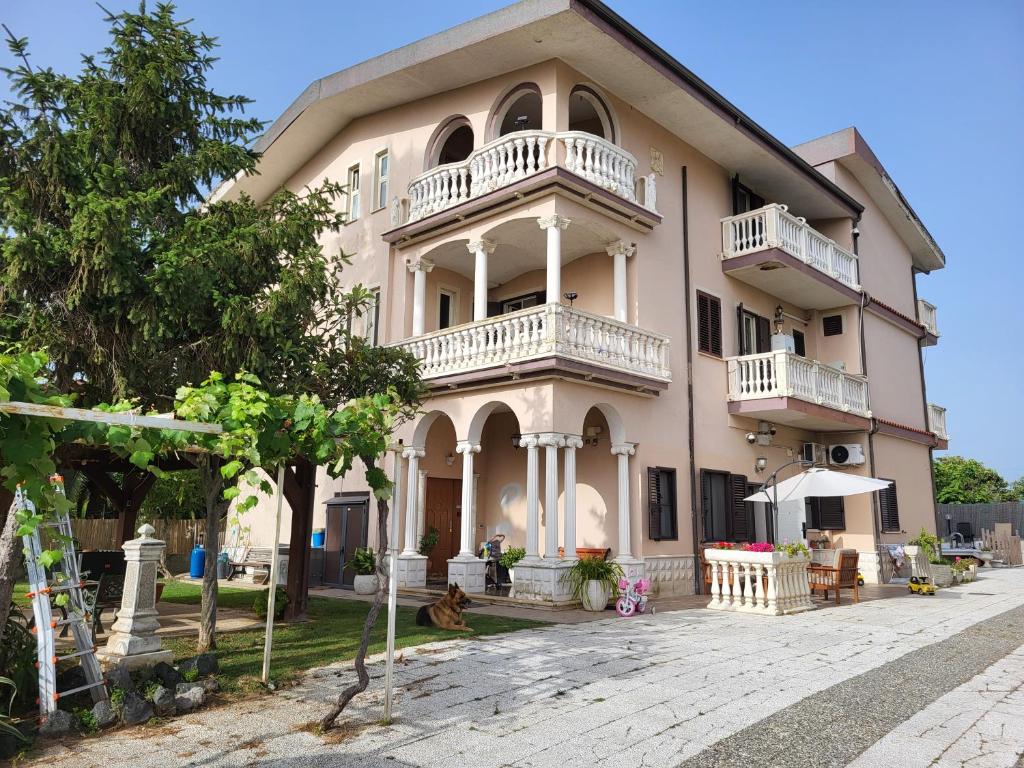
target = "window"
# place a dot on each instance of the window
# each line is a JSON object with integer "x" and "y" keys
{"x": 353, "y": 193}
{"x": 889, "y": 509}
{"x": 371, "y": 320}
{"x": 380, "y": 179}
{"x": 799, "y": 345}
{"x": 743, "y": 198}
{"x": 446, "y": 301}
{"x": 520, "y": 302}
{"x": 709, "y": 324}
{"x": 826, "y": 513}
{"x": 661, "y": 503}
{"x": 727, "y": 517}
{"x": 755, "y": 332}
{"x": 832, "y": 325}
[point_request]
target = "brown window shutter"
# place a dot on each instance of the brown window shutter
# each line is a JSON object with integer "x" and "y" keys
{"x": 709, "y": 324}
{"x": 888, "y": 507}
{"x": 828, "y": 513}
{"x": 661, "y": 503}
{"x": 741, "y": 513}
{"x": 832, "y": 325}
{"x": 799, "y": 345}
{"x": 764, "y": 335}
{"x": 653, "y": 505}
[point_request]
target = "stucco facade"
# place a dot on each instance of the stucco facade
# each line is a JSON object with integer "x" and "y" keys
{"x": 577, "y": 277}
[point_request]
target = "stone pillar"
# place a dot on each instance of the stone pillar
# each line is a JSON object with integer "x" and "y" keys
{"x": 421, "y": 505}
{"x": 632, "y": 567}
{"x": 419, "y": 269}
{"x": 133, "y": 643}
{"x": 551, "y": 443}
{"x": 554, "y": 225}
{"x": 480, "y": 249}
{"x": 572, "y": 442}
{"x": 412, "y": 566}
{"x": 530, "y": 442}
{"x": 619, "y": 251}
{"x": 476, "y": 500}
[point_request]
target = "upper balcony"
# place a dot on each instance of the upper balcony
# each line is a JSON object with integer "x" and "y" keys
{"x": 927, "y": 317}
{"x": 937, "y": 424}
{"x": 777, "y": 252}
{"x": 785, "y": 388}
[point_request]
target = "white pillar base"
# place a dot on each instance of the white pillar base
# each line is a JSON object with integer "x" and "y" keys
{"x": 468, "y": 573}
{"x": 632, "y": 568}
{"x": 543, "y": 581}
{"x": 412, "y": 570}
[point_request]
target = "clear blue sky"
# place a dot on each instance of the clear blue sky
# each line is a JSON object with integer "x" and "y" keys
{"x": 936, "y": 88}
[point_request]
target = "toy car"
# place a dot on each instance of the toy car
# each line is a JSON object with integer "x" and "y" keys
{"x": 920, "y": 585}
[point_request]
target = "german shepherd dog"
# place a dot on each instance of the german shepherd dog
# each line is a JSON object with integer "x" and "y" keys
{"x": 446, "y": 613}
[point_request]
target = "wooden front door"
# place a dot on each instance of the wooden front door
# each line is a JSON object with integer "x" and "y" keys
{"x": 347, "y": 529}
{"x": 443, "y": 512}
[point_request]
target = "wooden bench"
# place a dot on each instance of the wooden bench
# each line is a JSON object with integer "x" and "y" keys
{"x": 257, "y": 558}
{"x": 841, "y": 575}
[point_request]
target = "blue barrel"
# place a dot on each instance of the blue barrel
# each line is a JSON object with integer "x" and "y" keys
{"x": 197, "y": 564}
{"x": 318, "y": 538}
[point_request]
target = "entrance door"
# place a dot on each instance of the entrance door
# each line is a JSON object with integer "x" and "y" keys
{"x": 443, "y": 508}
{"x": 347, "y": 528}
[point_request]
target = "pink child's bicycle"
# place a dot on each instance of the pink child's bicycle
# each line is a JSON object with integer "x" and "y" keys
{"x": 632, "y": 597}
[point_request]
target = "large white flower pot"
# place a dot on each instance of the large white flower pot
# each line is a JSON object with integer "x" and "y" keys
{"x": 365, "y": 584}
{"x": 596, "y": 596}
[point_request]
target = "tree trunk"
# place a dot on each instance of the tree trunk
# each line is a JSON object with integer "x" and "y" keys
{"x": 300, "y": 493}
{"x": 216, "y": 506}
{"x": 9, "y": 554}
{"x": 363, "y": 677}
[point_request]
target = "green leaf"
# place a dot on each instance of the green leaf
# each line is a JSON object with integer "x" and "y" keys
{"x": 230, "y": 469}
{"x": 49, "y": 557}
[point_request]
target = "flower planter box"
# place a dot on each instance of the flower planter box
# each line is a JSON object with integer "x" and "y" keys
{"x": 768, "y": 583}
{"x": 942, "y": 575}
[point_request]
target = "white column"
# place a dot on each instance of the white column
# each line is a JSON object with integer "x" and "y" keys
{"x": 551, "y": 443}
{"x": 467, "y": 449}
{"x": 554, "y": 226}
{"x": 421, "y": 505}
{"x": 572, "y": 442}
{"x": 623, "y": 451}
{"x": 476, "y": 499}
{"x": 619, "y": 251}
{"x": 413, "y": 454}
{"x": 419, "y": 269}
{"x": 530, "y": 442}
{"x": 397, "y": 498}
{"x": 480, "y": 249}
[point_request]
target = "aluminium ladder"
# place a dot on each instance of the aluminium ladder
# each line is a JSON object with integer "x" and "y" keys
{"x": 69, "y": 582}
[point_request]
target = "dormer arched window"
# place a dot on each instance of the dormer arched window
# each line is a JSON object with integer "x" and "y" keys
{"x": 589, "y": 113}
{"x": 521, "y": 109}
{"x": 452, "y": 142}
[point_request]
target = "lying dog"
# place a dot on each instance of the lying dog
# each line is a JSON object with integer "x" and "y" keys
{"x": 446, "y": 613}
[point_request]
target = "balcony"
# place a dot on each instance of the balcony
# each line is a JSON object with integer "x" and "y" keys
{"x": 777, "y": 252}
{"x": 520, "y": 342}
{"x": 927, "y": 316}
{"x": 517, "y": 156}
{"x": 937, "y": 424}
{"x": 788, "y": 389}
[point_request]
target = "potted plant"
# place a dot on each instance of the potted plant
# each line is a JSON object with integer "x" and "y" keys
{"x": 364, "y": 563}
{"x": 593, "y": 581}
{"x": 942, "y": 571}
{"x": 428, "y": 541}
{"x": 509, "y": 558}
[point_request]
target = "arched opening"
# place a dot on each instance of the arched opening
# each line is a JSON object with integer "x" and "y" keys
{"x": 596, "y": 481}
{"x": 451, "y": 143}
{"x": 520, "y": 110}
{"x": 440, "y": 473}
{"x": 589, "y": 113}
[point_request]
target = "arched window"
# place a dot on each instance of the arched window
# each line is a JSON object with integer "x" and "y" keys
{"x": 519, "y": 110}
{"x": 452, "y": 142}
{"x": 589, "y": 113}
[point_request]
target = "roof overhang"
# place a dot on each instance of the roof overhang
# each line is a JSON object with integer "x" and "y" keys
{"x": 848, "y": 148}
{"x": 587, "y": 36}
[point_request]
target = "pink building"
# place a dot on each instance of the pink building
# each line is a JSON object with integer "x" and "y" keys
{"x": 632, "y": 304}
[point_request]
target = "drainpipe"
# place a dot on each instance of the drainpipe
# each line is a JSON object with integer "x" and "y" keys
{"x": 924, "y": 405}
{"x": 698, "y": 578}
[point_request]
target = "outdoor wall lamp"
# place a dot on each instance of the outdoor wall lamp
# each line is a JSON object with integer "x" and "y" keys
{"x": 760, "y": 464}
{"x": 515, "y": 440}
{"x": 570, "y": 296}
{"x": 449, "y": 459}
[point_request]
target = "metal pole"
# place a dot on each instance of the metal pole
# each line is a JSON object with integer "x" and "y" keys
{"x": 772, "y": 478}
{"x": 274, "y": 566}
{"x": 389, "y": 665}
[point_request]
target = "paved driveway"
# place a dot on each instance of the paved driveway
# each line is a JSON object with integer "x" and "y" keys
{"x": 909, "y": 681}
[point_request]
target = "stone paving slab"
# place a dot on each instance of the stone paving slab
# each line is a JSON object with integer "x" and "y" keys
{"x": 649, "y": 691}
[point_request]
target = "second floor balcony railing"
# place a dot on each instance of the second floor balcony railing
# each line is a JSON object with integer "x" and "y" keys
{"x": 774, "y": 227}
{"x": 937, "y": 421}
{"x": 516, "y": 156}
{"x": 784, "y": 374}
{"x": 538, "y": 332}
{"x": 927, "y": 316}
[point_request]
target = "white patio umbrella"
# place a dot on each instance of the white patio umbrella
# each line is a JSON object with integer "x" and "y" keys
{"x": 818, "y": 481}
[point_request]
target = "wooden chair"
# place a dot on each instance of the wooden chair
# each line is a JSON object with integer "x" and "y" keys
{"x": 841, "y": 575}
{"x": 257, "y": 558}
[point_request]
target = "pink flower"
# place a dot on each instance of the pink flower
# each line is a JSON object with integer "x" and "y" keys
{"x": 761, "y": 546}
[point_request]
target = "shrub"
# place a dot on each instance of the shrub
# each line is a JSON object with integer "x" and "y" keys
{"x": 364, "y": 562}
{"x": 593, "y": 569}
{"x": 259, "y": 605}
{"x": 511, "y": 556}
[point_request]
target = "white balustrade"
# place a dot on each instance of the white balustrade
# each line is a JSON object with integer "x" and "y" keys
{"x": 515, "y": 156}
{"x": 927, "y": 316}
{"x": 550, "y": 329}
{"x": 785, "y": 374}
{"x": 937, "y": 421}
{"x": 774, "y": 227}
{"x": 768, "y": 583}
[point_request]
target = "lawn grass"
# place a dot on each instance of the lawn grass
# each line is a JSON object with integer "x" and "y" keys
{"x": 332, "y": 634}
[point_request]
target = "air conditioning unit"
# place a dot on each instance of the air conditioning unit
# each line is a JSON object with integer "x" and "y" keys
{"x": 846, "y": 455}
{"x": 814, "y": 452}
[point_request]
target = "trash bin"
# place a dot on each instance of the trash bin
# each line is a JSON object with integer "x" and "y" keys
{"x": 223, "y": 566}
{"x": 318, "y": 537}
{"x": 197, "y": 562}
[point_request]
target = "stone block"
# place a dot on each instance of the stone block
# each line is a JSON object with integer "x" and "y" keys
{"x": 57, "y": 724}
{"x": 104, "y": 714}
{"x": 135, "y": 710}
{"x": 468, "y": 573}
{"x": 190, "y": 699}
{"x": 163, "y": 701}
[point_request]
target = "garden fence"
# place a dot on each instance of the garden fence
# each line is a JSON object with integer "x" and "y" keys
{"x": 982, "y": 516}
{"x": 97, "y": 533}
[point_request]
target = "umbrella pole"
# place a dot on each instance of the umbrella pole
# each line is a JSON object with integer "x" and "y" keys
{"x": 772, "y": 478}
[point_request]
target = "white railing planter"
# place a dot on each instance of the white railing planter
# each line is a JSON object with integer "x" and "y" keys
{"x": 937, "y": 421}
{"x": 785, "y": 374}
{"x": 774, "y": 227}
{"x": 767, "y": 583}
{"x": 928, "y": 316}
{"x": 516, "y": 156}
{"x": 537, "y": 332}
